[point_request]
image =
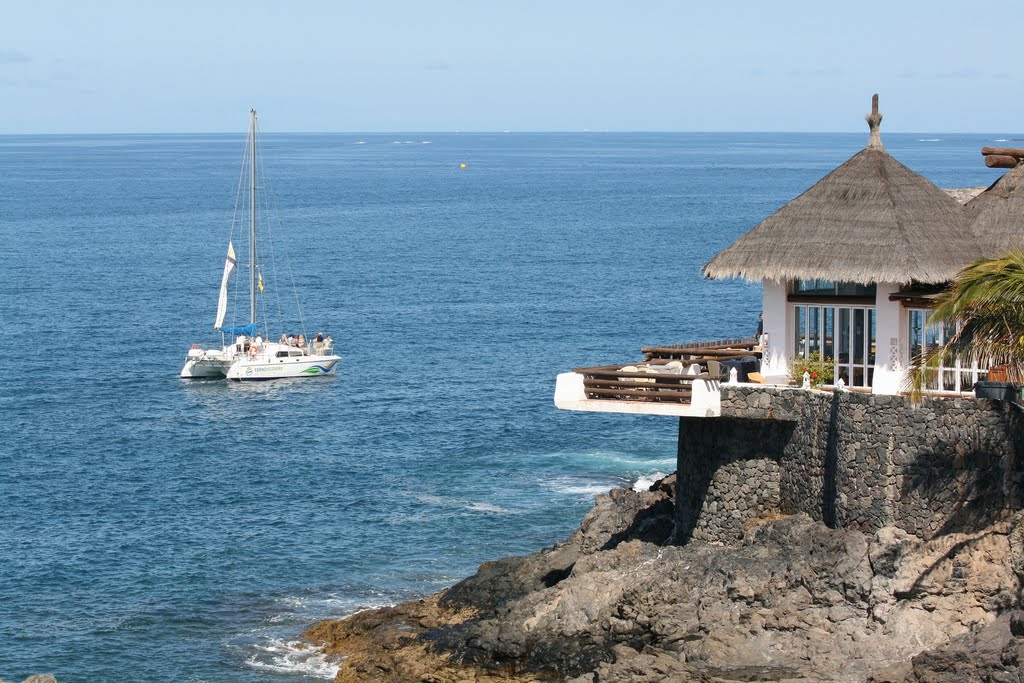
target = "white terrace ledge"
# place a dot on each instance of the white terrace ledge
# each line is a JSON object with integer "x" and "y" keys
{"x": 706, "y": 400}
{"x": 682, "y": 380}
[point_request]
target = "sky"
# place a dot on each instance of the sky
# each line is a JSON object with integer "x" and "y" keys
{"x": 139, "y": 66}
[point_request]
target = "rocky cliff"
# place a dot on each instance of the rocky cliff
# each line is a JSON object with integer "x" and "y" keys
{"x": 792, "y": 600}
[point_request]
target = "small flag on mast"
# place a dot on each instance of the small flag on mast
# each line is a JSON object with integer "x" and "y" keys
{"x": 260, "y": 281}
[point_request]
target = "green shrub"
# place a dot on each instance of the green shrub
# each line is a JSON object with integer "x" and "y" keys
{"x": 821, "y": 370}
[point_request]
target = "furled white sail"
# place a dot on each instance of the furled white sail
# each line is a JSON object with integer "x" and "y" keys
{"x": 222, "y": 302}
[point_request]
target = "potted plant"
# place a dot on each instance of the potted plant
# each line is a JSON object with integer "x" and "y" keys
{"x": 820, "y": 370}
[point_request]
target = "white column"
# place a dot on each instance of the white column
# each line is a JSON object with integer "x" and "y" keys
{"x": 890, "y": 363}
{"x": 778, "y": 326}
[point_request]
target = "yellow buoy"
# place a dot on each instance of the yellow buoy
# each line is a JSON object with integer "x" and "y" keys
{"x": 462, "y": 165}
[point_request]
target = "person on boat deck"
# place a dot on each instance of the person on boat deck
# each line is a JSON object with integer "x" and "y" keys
{"x": 328, "y": 343}
{"x": 302, "y": 341}
{"x": 283, "y": 339}
{"x": 259, "y": 341}
{"x": 240, "y": 343}
{"x": 318, "y": 342}
{"x": 291, "y": 340}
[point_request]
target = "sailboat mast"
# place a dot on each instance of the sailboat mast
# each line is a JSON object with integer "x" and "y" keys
{"x": 252, "y": 216}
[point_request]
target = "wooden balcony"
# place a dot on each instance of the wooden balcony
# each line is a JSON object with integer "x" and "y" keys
{"x": 642, "y": 382}
{"x": 682, "y": 379}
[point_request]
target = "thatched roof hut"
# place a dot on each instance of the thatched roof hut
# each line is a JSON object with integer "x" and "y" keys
{"x": 870, "y": 220}
{"x": 996, "y": 215}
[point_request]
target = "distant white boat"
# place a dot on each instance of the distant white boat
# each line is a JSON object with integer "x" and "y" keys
{"x": 248, "y": 356}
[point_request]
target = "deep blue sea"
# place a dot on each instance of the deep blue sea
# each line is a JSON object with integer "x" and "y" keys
{"x": 159, "y": 530}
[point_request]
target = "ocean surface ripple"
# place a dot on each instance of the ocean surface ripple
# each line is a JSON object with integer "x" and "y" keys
{"x": 153, "y": 529}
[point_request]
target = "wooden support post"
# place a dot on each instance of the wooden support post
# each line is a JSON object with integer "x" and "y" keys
{"x": 1001, "y": 161}
{"x": 1003, "y": 151}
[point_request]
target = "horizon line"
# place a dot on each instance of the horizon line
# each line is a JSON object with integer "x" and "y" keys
{"x": 583, "y": 131}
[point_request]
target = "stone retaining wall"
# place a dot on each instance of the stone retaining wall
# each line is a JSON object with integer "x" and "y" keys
{"x": 850, "y": 460}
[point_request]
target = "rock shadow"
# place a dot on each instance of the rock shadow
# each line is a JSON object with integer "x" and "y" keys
{"x": 752, "y": 450}
{"x": 944, "y": 492}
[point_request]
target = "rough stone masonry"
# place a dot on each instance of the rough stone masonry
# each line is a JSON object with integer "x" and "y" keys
{"x": 850, "y": 460}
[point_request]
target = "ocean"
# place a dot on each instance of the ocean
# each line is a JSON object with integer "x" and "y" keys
{"x": 163, "y": 530}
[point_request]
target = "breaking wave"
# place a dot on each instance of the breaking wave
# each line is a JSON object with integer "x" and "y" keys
{"x": 294, "y": 657}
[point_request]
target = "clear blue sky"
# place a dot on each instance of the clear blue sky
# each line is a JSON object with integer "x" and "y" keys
{"x": 491, "y": 65}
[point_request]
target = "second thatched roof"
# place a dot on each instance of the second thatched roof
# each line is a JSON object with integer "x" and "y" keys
{"x": 870, "y": 220}
{"x": 996, "y": 215}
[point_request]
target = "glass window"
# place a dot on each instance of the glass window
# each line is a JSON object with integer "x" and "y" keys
{"x": 967, "y": 380}
{"x": 858, "y": 336}
{"x": 856, "y": 289}
{"x": 916, "y": 335}
{"x": 872, "y": 336}
{"x": 949, "y": 378}
{"x": 843, "y": 350}
{"x": 800, "y": 330}
{"x": 813, "y": 329}
{"x": 922, "y": 337}
{"x": 828, "y": 340}
{"x": 827, "y": 287}
{"x": 832, "y": 288}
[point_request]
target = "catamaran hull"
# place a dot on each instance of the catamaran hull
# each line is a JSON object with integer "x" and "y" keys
{"x": 198, "y": 369}
{"x": 207, "y": 363}
{"x": 248, "y": 370}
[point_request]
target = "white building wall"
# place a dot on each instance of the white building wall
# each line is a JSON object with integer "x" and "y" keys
{"x": 777, "y": 325}
{"x": 890, "y": 342}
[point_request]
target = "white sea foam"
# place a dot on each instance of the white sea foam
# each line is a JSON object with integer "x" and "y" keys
{"x": 591, "y": 490}
{"x": 930, "y": 140}
{"x": 294, "y": 657}
{"x": 576, "y": 486}
{"x": 645, "y": 481}
{"x": 359, "y": 142}
{"x": 431, "y": 499}
{"x": 487, "y": 507}
{"x": 332, "y": 605}
{"x": 1001, "y": 140}
{"x": 425, "y": 142}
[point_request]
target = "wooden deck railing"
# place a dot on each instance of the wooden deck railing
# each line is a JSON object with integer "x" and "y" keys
{"x": 651, "y": 380}
{"x": 612, "y": 382}
{"x": 722, "y": 349}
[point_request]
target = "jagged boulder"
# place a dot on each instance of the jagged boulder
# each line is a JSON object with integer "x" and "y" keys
{"x": 793, "y": 600}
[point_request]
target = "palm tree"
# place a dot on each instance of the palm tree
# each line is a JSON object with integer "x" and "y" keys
{"x": 986, "y": 303}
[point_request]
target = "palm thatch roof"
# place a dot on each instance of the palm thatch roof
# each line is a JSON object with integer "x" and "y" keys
{"x": 870, "y": 220}
{"x": 996, "y": 215}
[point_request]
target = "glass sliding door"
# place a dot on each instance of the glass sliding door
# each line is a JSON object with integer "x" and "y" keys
{"x": 846, "y": 334}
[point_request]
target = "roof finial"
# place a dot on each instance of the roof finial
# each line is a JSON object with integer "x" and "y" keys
{"x": 874, "y": 120}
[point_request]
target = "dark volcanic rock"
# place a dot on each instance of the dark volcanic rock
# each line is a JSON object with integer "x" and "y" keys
{"x": 794, "y": 600}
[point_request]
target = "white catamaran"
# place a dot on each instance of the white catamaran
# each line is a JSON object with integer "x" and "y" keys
{"x": 249, "y": 356}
